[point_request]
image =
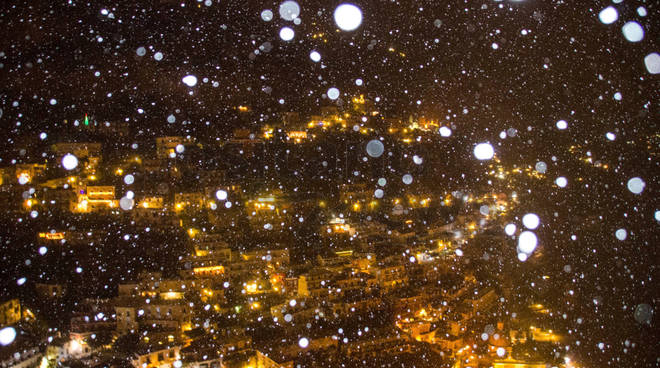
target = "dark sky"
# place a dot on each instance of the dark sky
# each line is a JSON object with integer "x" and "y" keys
{"x": 561, "y": 67}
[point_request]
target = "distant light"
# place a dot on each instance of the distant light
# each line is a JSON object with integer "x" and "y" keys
{"x": 610, "y": 136}
{"x": 633, "y": 31}
{"x": 636, "y": 185}
{"x": 642, "y": 11}
{"x": 531, "y": 221}
{"x": 375, "y": 148}
{"x": 527, "y": 242}
{"x": 286, "y": 34}
{"x": 129, "y": 179}
{"x": 562, "y": 124}
{"x": 541, "y": 167}
{"x": 289, "y": 10}
{"x": 618, "y": 96}
{"x": 358, "y": 82}
{"x": 501, "y": 352}
{"x": 69, "y": 161}
{"x": 7, "y": 336}
{"x": 221, "y": 194}
{"x": 158, "y": 56}
{"x": 126, "y": 203}
{"x": 267, "y": 15}
{"x": 561, "y": 182}
{"x": 177, "y": 364}
{"x": 378, "y": 193}
{"x": 43, "y": 250}
{"x": 608, "y": 15}
{"x": 407, "y": 179}
{"x": 510, "y": 229}
{"x": 445, "y": 132}
{"x": 189, "y": 80}
{"x": 315, "y": 56}
{"x": 179, "y": 148}
{"x": 21, "y": 281}
{"x": 348, "y": 17}
{"x": 643, "y": 313}
{"x": 484, "y": 151}
{"x": 652, "y": 63}
{"x": 333, "y": 93}
{"x": 417, "y": 160}
{"x": 303, "y": 342}
{"x": 53, "y": 101}
{"x": 621, "y": 234}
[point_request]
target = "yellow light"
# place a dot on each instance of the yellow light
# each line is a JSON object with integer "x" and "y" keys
{"x": 28, "y": 203}
{"x": 209, "y": 269}
{"x": 251, "y": 287}
{"x": 201, "y": 252}
{"x": 119, "y": 171}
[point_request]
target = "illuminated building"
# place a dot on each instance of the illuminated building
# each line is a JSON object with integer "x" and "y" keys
{"x": 80, "y": 150}
{"x": 168, "y": 314}
{"x": 512, "y": 363}
{"x": 193, "y": 201}
{"x": 95, "y": 198}
{"x": 166, "y": 146}
{"x": 297, "y": 136}
{"x": 10, "y": 312}
{"x": 52, "y": 236}
{"x": 157, "y": 356}
{"x": 252, "y": 359}
{"x": 25, "y": 173}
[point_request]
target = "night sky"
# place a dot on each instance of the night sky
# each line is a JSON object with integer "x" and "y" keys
{"x": 481, "y": 67}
